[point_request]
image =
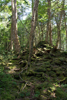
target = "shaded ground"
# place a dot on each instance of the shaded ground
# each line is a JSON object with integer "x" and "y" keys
{"x": 46, "y": 79}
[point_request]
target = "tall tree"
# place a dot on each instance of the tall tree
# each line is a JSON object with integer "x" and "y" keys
{"x": 65, "y": 22}
{"x": 58, "y": 22}
{"x": 14, "y": 27}
{"x": 33, "y": 26}
{"x": 49, "y": 22}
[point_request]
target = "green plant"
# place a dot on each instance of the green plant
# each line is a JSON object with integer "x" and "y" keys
{"x": 22, "y": 94}
{"x": 37, "y": 94}
{"x": 64, "y": 85}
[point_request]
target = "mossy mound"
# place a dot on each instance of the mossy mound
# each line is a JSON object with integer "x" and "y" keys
{"x": 46, "y": 75}
{"x": 45, "y": 79}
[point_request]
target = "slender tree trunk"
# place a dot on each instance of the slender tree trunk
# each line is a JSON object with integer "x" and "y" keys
{"x": 11, "y": 37}
{"x": 49, "y": 22}
{"x": 65, "y": 23}
{"x": 35, "y": 40}
{"x": 41, "y": 31}
{"x": 59, "y": 26}
{"x": 66, "y": 34}
{"x": 32, "y": 5}
{"x": 63, "y": 41}
{"x": 58, "y": 44}
{"x": 14, "y": 27}
{"x": 33, "y": 26}
{"x": 47, "y": 34}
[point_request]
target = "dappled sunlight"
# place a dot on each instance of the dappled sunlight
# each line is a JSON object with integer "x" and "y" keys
{"x": 33, "y": 50}
{"x": 45, "y": 79}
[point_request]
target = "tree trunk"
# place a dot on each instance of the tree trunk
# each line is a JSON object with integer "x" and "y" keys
{"x": 14, "y": 28}
{"x": 42, "y": 32}
{"x": 11, "y": 37}
{"x": 58, "y": 43}
{"x": 49, "y": 22}
{"x": 33, "y": 26}
{"x": 66, "y": 34}
{"x": 39, "y": 30}
{"x": 65, "y": 23}
{"x": 32, "y": 5}
{"x": 47, "y": 34}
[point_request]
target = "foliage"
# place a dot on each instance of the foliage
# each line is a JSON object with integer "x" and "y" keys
{"x": 47, "y": 76}
{"x": 7, "y": 84}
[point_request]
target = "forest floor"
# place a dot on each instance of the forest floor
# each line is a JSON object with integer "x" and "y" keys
{"x": 45, "y": 79}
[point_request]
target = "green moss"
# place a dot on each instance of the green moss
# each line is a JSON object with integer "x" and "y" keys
{"x": 8, "y": 87}
{"x": 43, "y": 97}
{"x": 60, "y": 93}
{"x": 57, "y": 62}
{"x": 51, "y": 73}
{"x": 25, "y": 93}
{"x": 59, "y": 72}
{"x": 40, "y": 69}
{"x": 47, "y": 63}
{"x": 48, "y": 69}
{"x": 31, "y": 73}
{"x": 22, "y": 95}
{"x": 64, "y": 85}
{"x": 7, "y": 96}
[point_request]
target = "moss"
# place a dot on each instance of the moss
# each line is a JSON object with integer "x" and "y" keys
{"x": 48, "y": 69}
{"x": 26, "y": 98}
{"x": 40, "y": 70}
{"x": 57, "y": 62}
{"x": 61, "y": 77}
{"x": 42, "y": 44}
{"x": 49, "y": 79}
{"x": 59, "y": 72}
{"x": 63, "y": 80}
{"x": 8, "y": 87}
{"x": 41, "y": 86}
{"x": 36, "y": 93}
{"x": 25, "y": 93}
{"x": 64, "y": 54}
{"x": 64, "y": 85}
{"x": 38, "y": 86}
{"x": 31, "y": 73}
{"x": 52, "y": 73}
{"x": 61, "y": 94}
{"x": 43, "y": 97}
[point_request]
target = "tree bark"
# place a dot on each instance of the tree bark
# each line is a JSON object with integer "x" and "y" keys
{"x": 33, "y": 26}
{"x": 58, "y": 22}
{"x": 58, "y": 44}
{"x": 49, "y": 22}
{"x": 47, "y": 33}
{"x": 14, "y": 28}
{"x": 11, "y": 46}
{"x": 42, "y": 32}
{"x": 65, "y": 23}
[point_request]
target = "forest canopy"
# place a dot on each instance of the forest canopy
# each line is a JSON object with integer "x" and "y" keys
{"x": 51, "y": 23}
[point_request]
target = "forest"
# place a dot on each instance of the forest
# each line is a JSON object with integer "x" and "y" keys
{"x": 33, "y": 50}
